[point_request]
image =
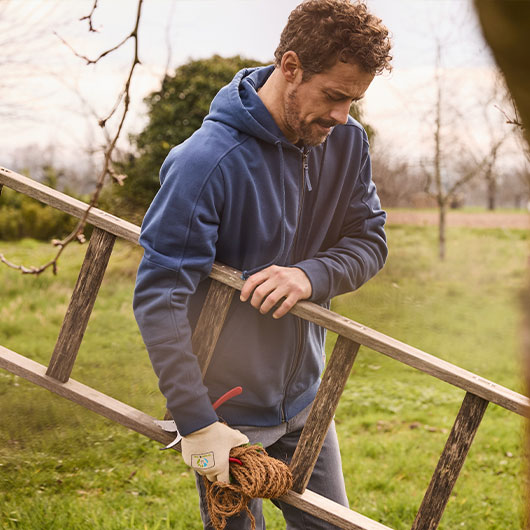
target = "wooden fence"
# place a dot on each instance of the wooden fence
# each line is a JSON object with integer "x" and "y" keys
{"x": 351, "y": 335}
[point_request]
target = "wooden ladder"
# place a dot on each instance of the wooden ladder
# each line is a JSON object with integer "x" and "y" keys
{"x": 351, "y": 335}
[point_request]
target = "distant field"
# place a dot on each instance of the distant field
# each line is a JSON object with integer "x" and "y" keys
{"x": 62, "y": 467}
{"x": 462, "y": 218}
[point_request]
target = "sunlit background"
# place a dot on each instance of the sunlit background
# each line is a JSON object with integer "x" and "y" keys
{"x": 57, "y": 459}
{"x": 50, "y": 99}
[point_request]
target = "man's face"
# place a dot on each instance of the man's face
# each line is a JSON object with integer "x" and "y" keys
{"x": 312, "y": 108}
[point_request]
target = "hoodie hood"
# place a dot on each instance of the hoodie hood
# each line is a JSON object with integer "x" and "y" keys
{"x": 239, "y": 106}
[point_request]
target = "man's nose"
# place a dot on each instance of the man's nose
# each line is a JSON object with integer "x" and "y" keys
{"x": 340, "y": 112}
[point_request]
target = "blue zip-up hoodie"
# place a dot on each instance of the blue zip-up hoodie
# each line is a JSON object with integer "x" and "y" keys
{"x": 237, "y": 191}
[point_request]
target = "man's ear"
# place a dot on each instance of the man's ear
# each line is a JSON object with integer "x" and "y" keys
{"x": 290, "y": 67}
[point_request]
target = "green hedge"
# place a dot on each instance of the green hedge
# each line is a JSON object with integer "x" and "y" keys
{"x": 22, "y": 217}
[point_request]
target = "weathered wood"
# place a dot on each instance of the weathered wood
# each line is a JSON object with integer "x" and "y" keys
{"x": 480, "y": 390}
{"x": 144, "y": 424}
{"x": 78, "y": 313}
{"x": 330, "y": 511}
{"x": 356, "y": 332}
{"x": 65, "y": 203}
{"x": 429, "y": 364}
{"x": 210, "y": 323}
{"x": 85, "y": 396}
{"x": 322, "y": 412}
{"x": 227, "y": 275}
{"x": 451, "y": 461}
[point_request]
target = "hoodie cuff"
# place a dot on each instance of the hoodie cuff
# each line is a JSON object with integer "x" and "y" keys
{"x": 318, "y": 275}
{"x": 197, "y": 416}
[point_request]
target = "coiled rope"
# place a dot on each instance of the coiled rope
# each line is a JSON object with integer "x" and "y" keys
{"x": 258, "y": 476}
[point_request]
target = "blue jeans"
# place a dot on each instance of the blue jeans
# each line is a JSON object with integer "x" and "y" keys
{"x": 280, "y": 442}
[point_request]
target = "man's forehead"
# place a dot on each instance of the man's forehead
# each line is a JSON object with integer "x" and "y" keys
{"x": 346, "y": 79}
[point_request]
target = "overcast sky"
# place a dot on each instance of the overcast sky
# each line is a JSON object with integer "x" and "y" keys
{"x": 46, "y": 92}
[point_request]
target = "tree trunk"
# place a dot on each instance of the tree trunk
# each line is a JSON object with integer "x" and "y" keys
{"x": 492, "y": 193}
{"x": 442, "y": 211}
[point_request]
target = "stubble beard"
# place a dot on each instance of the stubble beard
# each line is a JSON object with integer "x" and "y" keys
{"x": 306, "y": 132}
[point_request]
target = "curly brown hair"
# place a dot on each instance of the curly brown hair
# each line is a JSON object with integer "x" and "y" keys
{"x": 324, "y": 31}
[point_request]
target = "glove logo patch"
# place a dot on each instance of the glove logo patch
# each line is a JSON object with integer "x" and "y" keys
{"x": 203, "y": 460}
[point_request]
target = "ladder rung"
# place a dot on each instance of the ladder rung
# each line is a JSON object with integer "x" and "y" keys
{"x": 211, "y": 321}
{"x": 451, "y": 461}
{"x": 209, "y": 325}
{"x": 83, "y": 297}
{"x": 322, "y": 411}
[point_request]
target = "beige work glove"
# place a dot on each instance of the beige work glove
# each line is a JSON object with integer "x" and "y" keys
{"x": 207, "y": 450}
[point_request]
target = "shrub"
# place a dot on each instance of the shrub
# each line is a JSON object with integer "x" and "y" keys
{"x": 22, "y": 217}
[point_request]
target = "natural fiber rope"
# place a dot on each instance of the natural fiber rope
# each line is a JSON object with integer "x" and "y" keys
{"x": 259, "y": 476}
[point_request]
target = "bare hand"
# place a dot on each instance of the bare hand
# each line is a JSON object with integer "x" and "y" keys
{"x": 272, "y": 284}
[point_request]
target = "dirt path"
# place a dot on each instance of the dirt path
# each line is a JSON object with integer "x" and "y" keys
{"x": 454, "y": 218}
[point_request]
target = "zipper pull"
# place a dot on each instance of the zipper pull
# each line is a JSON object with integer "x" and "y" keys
{"x": 306, "y": 172}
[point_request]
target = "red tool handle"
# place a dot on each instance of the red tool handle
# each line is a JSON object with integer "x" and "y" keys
{"x": 225, "y": 397}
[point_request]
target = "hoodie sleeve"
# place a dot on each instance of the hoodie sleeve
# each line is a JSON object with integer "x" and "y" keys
{"x": 178, "y": 234}
{"x": 361, "y": 250}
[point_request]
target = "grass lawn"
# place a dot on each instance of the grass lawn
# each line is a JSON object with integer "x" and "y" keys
{"x": 62, "y": 467}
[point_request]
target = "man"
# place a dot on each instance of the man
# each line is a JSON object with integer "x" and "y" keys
{"x": 276, "y": 183}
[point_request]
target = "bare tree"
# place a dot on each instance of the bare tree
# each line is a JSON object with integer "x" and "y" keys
{"x": 120, "y": 108}
{"x": 444, "y": 179}
{"x": 498, "y": 135}
{"x": 458, "y": 158}
{"x": 522, "y": 134}
{"x": 397, "y": 181}
{"x": 490, "y": 174}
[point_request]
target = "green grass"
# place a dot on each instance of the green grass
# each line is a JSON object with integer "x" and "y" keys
{"x": 63, "y": 467}
{"x": 464, "y": 209}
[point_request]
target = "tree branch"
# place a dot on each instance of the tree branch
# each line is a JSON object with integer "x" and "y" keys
{"x": 77, "y": 233}
{"x": 89, "y": 18}
{"x": 515, "y": 119}
{"x": 428, "y": 179}
{"x": 100, "y": 56}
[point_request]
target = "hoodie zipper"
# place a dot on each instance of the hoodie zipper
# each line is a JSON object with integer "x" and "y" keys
{"x": 296, "y": 361}
{"x": 304, "y": 181}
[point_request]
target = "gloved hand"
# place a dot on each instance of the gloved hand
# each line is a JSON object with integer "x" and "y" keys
{"x": 207, "y": 450}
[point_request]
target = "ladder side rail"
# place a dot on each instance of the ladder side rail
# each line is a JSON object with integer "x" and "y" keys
{"x": 415, "y": 358}
{"x": 67, "y": 204}
{"x": 330, "y": 511}
{"x": 81, "y": 304}
{"x": 395, "y": 349}
{"x": 142, "y": 423}
{"x": 322, "y": 411}
{"x": 450, "y": 463}
{"x": 356, "y": 332}
{"x": 85, "y": 396}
